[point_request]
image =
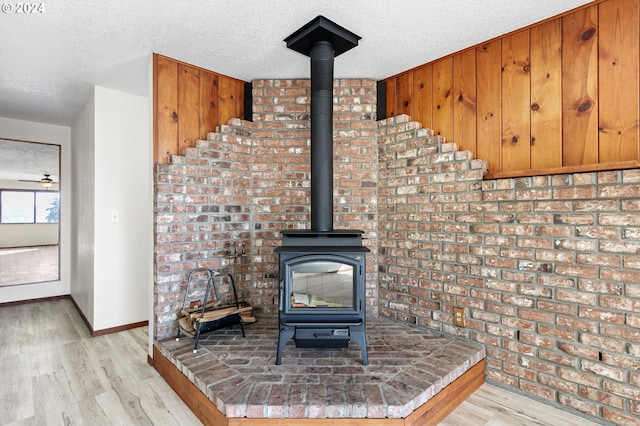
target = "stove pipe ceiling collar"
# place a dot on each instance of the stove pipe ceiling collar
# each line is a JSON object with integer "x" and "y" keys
{"x": 322, "y": 40}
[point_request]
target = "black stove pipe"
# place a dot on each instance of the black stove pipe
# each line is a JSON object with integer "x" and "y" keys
{"x": 322, "y": 55}
{"x": 322, "y": 40}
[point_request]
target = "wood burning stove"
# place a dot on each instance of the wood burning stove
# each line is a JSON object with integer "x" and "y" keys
{"x": 322, "y": 271}
{"x": 322, "y": 290}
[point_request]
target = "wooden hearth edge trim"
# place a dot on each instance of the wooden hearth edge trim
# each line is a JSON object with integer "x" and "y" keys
{"x": 201, "y": 406}
{"x": 430, "y": 413}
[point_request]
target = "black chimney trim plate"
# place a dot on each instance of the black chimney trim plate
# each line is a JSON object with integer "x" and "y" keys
{"x": 322, "y": 29}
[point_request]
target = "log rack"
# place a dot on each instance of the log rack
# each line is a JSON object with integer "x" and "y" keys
{"x": 203, "y": 313}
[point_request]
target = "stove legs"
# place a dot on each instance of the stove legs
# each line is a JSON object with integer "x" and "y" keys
{"x": 286, "y": 334}
{"x": 357, "y": 333}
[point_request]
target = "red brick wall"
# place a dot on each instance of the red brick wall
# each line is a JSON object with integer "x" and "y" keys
{"x": 202, "y": 204}
{"x": 250, "y": 180}
{"x": 546, "y": 268}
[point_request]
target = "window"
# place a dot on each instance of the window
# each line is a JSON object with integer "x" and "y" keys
{"x": 29, "y": 206}
{"x": 47, "y": 210}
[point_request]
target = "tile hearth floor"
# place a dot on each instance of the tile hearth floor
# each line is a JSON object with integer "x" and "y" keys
{"x": 407, "y": 367}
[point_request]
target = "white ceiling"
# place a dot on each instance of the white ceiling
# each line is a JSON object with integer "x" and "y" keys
{"x": 50, "y": 61}
{"x": 28, "y": 161}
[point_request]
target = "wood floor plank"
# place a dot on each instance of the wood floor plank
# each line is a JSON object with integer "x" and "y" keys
{"x": 123, "y": 407}
{"x": 29, "y": 421}
{"x": 16, "y": 391}
{"x": 89, "y": 411}
{"x": 8, "y": 334}
{"x": 491, "y": 405}
{"x": 44, "y": 358}
{"x": 49, "y": 408}
{"x": 123, "y": 347}
{"x": 82, "y": 370}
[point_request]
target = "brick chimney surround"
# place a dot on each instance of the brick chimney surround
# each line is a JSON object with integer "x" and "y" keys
{"x": 546, "y": 268}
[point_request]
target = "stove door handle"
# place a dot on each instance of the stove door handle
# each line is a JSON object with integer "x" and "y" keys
{"x": 281, "y": 296}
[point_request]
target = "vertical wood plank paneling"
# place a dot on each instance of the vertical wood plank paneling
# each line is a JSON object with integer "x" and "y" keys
{"x": 404, "y": 89}
{"x": 166, "y": 108}
{"x": 464, "y": 100}
{"x": 227, "y": 103}
{"x": 422, "y": 95}
{"x": 488, "y": 65}
{"x": 516, "y": 119}
{"x": 391, "y": 97}
{"x": 188, "y": 105}
{"x": 208, "y": 102}
{"x": 577, "y": 105}
{"x": 546, "y": 95}
{"x": 443, "y": 97}
{"x": 618, "y": 80}
{"x": 580, "y": 87}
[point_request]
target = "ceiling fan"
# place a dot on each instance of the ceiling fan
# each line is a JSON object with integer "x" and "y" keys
{"x": 46, "y": 181}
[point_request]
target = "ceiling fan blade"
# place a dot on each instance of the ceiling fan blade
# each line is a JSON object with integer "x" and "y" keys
{"x": 45, "y": 180}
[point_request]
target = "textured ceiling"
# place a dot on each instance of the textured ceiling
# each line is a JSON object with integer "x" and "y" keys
{"x": 28, "y": 161}
{"x": 51, "y": 59}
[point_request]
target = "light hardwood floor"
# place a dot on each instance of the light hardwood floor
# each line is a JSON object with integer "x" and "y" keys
{"x": 491, "y": 405}
{"x": 52, "y": 372}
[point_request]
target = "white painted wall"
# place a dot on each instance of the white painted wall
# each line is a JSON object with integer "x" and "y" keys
{"x": 28, "y": 235}
{"x": 57, "y": 135}
{"x": 83, "y": 137}
{"x": 123, "y": 207}
{"x": 114, "y": 218}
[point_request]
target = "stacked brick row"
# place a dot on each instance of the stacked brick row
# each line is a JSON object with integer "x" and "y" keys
{"x": 547, "y": 268}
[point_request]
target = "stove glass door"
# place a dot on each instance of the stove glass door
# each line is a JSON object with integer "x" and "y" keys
{"x": 321, "y": 284}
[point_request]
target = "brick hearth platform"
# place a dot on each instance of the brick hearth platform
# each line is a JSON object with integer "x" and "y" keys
{"x": 409, "y": 371}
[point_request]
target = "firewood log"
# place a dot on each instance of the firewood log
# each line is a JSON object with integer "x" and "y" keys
{"x": 186, "y": 326}
{"x": 220, "y": 313}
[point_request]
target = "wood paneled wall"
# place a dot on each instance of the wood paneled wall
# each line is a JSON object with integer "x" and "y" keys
{"x": 189, "y": 102}
{"x": 560, "y": 96}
